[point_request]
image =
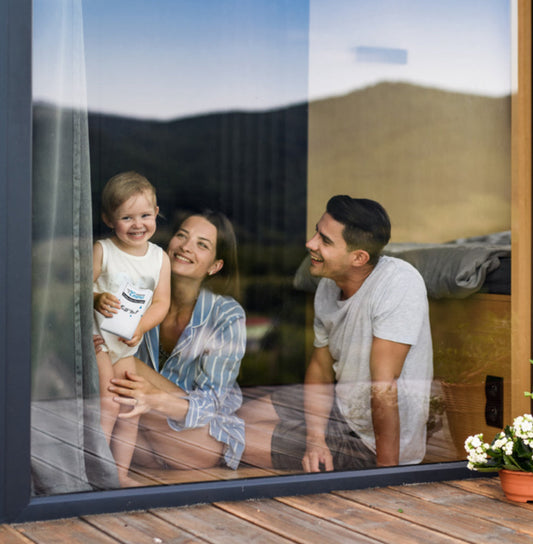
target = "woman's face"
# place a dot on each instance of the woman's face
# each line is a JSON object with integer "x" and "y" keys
{"x": 192, "y": 250}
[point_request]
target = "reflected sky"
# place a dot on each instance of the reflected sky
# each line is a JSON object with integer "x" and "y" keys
{"x": 174, "y": 58}
{"x": 458, "y": 45}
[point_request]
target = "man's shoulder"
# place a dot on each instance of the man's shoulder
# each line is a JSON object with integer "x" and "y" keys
{"x": 327, "y": 288}
{"x": 399, "y": 269}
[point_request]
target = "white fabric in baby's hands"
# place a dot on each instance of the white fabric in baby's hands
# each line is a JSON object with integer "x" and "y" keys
{"x": 133, "y": 304}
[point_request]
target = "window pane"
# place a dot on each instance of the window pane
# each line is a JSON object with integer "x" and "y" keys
{"x": 410, "y": 104}
{"x": 262, "y": 111}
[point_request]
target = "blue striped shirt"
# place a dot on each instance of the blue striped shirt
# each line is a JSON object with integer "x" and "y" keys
{"x": 205, "y": 364}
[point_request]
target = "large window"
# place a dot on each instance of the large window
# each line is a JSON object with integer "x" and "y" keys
{"x": 263, "y": 111}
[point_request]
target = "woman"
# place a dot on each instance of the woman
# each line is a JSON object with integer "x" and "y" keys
{"x": 185, "y": 386}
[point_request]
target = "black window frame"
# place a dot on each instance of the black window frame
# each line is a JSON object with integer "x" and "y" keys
{"x": 16, "y": 501}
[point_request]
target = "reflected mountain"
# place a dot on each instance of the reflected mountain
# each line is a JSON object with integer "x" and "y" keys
{"x": 438, "y": 161}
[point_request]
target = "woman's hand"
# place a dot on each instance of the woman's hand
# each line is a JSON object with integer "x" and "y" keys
{"x": 106, "y": 304}
{"x": 135, "y": 391}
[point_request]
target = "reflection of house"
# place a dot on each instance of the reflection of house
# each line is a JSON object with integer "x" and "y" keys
{"x": 257, "y": 329}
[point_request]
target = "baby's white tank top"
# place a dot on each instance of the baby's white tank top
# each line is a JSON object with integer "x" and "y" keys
{"x": 118, "y": 267}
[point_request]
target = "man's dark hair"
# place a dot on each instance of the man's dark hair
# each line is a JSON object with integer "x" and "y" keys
{"x": 366, "y": 223}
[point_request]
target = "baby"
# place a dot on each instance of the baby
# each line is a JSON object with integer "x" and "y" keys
{"x": 127, "y": 261}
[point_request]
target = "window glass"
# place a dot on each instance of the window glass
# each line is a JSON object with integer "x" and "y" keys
{"x": 263, "y": 111}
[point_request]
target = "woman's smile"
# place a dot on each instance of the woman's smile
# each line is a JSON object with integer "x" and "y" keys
{"x": 193, "y": 248}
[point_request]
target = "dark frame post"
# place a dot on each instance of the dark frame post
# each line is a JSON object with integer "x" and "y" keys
{"x": 15, "y": 254}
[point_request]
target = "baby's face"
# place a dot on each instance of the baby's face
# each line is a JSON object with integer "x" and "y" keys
{"x": 134, "y": 223}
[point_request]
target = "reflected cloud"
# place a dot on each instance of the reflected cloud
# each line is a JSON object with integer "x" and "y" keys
{"x": 384, "y": 55}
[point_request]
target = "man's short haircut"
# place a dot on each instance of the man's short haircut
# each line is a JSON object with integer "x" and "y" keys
{"x": 123, "y": 186}
{"x": 366, "y": 223}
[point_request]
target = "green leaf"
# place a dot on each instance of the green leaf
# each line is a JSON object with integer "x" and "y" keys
{"x": 487, "y": 468}
{"x": 515, "y": 468}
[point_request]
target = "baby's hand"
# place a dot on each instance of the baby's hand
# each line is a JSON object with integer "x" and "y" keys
{"x": 135, "y": 339}
{"x": 106, "y": 304}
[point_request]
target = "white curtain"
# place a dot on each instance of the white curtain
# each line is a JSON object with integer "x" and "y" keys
{"x": 69, "y": 452}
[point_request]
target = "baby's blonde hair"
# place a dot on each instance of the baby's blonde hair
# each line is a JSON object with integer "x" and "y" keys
{"x": 123, "y": 186}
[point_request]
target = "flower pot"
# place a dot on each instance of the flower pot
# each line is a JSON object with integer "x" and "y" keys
{"x": 517, "y": 485}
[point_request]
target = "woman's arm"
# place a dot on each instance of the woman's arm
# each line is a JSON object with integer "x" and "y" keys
{"x": 146, "y": 391}
{"x": 218, "y": 368}
{"x": 218, "y": 371}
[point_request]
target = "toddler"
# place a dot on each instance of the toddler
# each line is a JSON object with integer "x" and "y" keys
{"x": 126, "y": 260}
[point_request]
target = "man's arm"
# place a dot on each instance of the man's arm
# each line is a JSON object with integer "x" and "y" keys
{"x": 386, "y": 363}
{"x": 318, "y": 399}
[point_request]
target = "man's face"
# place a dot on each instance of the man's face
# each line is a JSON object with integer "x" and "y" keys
{"x": 330, "y": 256}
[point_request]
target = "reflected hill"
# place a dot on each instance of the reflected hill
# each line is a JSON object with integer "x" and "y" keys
{"x": 426, "y": 154}
{"x": 440, "y": 162}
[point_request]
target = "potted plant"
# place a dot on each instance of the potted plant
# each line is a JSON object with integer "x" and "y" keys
{"x": 510, "y": 453}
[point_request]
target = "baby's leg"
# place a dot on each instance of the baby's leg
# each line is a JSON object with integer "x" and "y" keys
{"x": 125, "y": 435}
{"x": 108, "y": 408}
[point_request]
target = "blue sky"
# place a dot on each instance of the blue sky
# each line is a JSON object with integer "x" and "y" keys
{"x": 170, "y": 58}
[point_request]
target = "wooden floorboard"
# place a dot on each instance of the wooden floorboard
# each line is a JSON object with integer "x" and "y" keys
{"x": 462, "y": 511}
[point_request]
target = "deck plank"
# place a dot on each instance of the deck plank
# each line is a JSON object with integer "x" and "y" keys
{"x": 64, "y": 531}
{"x": 140, "y": 528}
{"x": 490, "y": 487}
{"x": 366, "y": 520}
{"x": 457, "y": 523}
{"x": 497, "y": 510}
{"x": 218, "y": 527}
{"x": 292, "y": 523}
{"x": 10, "y": 535}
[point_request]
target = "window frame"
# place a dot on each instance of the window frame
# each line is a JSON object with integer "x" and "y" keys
{"x": 16, "y": 502}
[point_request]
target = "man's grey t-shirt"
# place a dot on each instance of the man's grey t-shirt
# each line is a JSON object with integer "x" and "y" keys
{"x": 391, "y": 304}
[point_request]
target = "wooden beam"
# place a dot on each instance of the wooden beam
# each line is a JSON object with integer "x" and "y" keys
{"x": 521, "y": 214}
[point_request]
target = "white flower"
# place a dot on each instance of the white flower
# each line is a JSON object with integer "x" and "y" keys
{"x": 476, "y": 450}
{"x": 523, "y": 426}
{"x": 508, "y": 449}
{"x": 473, "y": 442}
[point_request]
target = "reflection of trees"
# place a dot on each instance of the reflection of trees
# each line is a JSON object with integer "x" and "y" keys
{"x": 252, "y": 166}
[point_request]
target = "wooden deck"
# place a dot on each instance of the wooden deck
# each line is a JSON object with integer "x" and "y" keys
{"x": 460, "y": 511}
{"x": 451, "y": 512}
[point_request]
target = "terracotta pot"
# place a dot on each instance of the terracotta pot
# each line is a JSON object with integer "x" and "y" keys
{"x": 517, "y": 485}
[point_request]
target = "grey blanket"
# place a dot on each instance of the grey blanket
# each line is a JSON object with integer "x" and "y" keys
{"x": 453, "y": 270}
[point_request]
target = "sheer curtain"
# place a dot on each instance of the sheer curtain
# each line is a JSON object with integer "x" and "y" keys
{"x": 69, "y": 452}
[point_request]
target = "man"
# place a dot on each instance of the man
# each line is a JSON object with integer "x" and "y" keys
{"x": 366, "y": 394}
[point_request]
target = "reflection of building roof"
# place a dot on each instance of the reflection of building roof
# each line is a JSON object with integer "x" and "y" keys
{"x": 257, "y": 327}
